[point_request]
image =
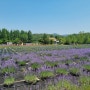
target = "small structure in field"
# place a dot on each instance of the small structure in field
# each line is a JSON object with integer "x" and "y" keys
{"x": 28, "y": 44}
{"x": 9, "y": 43}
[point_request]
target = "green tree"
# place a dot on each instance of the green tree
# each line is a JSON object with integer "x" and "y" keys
{"x": 45, "y": 39}
{"x": 17, "y": 41}
{"x": 30, "y": 36}
{"x": 5, "y": 35}
{"x": 62, "y": 40}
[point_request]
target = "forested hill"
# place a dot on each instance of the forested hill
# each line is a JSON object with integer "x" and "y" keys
{"x": 22, "y": 36}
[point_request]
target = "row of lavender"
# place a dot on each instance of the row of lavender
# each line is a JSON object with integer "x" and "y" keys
{"x": 42, "y": 64}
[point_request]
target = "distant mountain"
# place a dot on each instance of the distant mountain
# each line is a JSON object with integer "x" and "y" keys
{"x": 65, "y": 34}
{"x": 55, "y": 34}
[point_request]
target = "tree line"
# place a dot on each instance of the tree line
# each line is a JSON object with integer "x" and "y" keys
{"x": 15, "y": 36}
{"x": 22, "y": 36}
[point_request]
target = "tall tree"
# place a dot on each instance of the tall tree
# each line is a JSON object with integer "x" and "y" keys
{"x": 5, "y": 35}
{"x": 30, "y": 36}
{"x": 45, "y": 39}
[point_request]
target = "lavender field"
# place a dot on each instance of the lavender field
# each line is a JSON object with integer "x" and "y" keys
{"x": 52, "y": 67}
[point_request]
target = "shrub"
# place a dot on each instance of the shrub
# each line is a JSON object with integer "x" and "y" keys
{"x": 84, "y": 80}
{"x": 21, "y": 63}
{"x": 31, "y": 78}
{"x": 67, "y": 62}
{"x": 8, "y": 70}
{"x": 61, "y": 71}
{"x": 46, "y": 74}
{"x": 64, "y": 85}
{"x": 74, "y": 72}
{"x": 51, "y": 64}
{"x": 35, "y": 65}
{"x": 87, "y": 67}
{"x": 9, "y": 81}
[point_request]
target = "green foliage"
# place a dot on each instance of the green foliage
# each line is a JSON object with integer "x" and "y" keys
{"x": 15, "y": 36}
{"x": 17, "y": 41}
{"x": 85, "y": 87}
{"x": 1, "y": 41}
{"x": 9, "y": 81}
{"x": 84, "y": 80}
{"x": 35, "y": 65}
{"x": 36, "y": 37}
{"x": 31, "y": 78}
{"x": 21, "y": 63}
{"x": 24, "y": 37}
{"x": 67, "y": 62}
{"x": 61, "y": 71}
{"x": 87, "y": 67}
{"x": 63, "y": 85}
{"x": 45, "y": 39}
{"x": 62, "y": 40}
{"x": 46, "y": 74}
{"x": 51, "y": 87}
{"x": 4, "y": 35}
{"x": 28, "y": 37}
{"x": 51, "y": 64}
{"x": 74, "y": 71}
{"x": 8, "y": 70}
{"x": 67, "y": 85}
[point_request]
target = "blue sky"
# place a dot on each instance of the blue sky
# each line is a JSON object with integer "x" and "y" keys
{"x": 46, "y": 16}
